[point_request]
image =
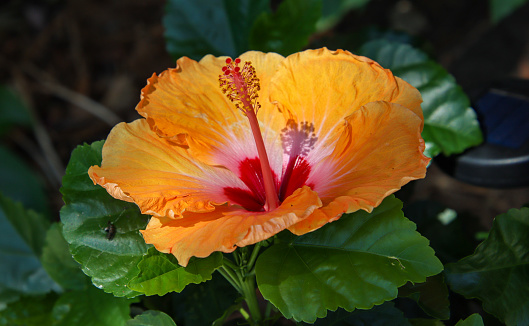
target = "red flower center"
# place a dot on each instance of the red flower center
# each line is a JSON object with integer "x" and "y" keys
{"x": 295, "y": 176}
{"x": 265, "y": 192}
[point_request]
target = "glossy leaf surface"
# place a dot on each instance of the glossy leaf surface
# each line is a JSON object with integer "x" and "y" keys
{"x": 450, "y": 125}
{"x": 498, "y": 271}
{"x": 109, "y": 259}
{"x": 354, "y": 263}
{"x": 160, "y": 273}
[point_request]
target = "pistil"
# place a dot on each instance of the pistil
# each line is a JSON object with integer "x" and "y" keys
{"x": 241, "y": 87}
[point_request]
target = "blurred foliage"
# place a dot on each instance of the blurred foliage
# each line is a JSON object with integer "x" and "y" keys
{"x": 473, "y": 320}
{"x": 18, "y": 181}
{"x": 21, "y": 183}
{"x": 287, "y": 29}
{"x": 499, "y": 9}
{"x": 432, "y": 296}
{"x": 334, "y": 10}
{"x": 483, "y": 275}
{"x": 13, "y": 112}
{"x": 197, "y": 28}
{"x": 21, "y": 246}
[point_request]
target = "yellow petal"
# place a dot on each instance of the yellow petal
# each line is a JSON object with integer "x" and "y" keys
{"x": 200, "y": 234}
{"x": 379, "y": 151}
{"x": 159, "y": 176}
{"x": 323, "y": 87}
{"x": 187, "y": 105}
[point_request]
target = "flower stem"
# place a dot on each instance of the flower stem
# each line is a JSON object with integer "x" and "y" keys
{"x": 254, "y": 255}
{"x": 248, "y": 289}
{"x": 242, "y": 277}
{"x": 227, "y": 262}
{"x": 230, "y": 277}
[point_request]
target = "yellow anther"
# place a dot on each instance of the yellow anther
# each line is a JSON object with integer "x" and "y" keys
{"x": 240, "y": 85}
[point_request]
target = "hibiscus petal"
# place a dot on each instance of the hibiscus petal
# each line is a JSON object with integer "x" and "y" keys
{"x": 323, "y": 87}
{"x": 379, "y": 151}
{"x": 206, "y": 120}
{"x": 200, "y": 234}
{"x": 159, "y": 176}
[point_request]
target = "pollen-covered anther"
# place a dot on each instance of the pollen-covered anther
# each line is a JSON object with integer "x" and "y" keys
{"x": 240, "y": 85}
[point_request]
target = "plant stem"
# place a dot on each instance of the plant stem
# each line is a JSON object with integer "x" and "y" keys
{"x": 241, "y": 276}
{"x": 229, "y": 264}
{"x": 248, "y": 289}
{"x": 230, "y": 277}
{"x": 268, "y": 310}
{"x": 244, "y": 314}
{"x": 253, "y": 257}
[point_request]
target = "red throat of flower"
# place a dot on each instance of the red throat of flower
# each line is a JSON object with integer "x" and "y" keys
{"x": 241, "y": 87}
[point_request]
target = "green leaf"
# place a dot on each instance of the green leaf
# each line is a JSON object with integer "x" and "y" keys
{"x": 385, "y": 314}
{"x": 152, "y": 318}
{"x": 21, "y": 244}
{"x": 450, "y": 125}
{"x": 473, "y": 320}
{"x": 205, "y": 303}
{"x": 7, "y": 296}
{"x": 13, "y": 112}
{"x": 354, "y": 263}
{"x": 334, "y": 10}
{"x": 29, "y": 311}
{"x": 498, "y": 271}
{"x": 200, "y": 27}
{"x": 90, "y": 307}
{"x": 59, "y": 263}
{"x": 432, "y": 296}
{"x": 160, "y": 273}
{"x": 288, "y": 29}
{"x": 500, "y": 9}
{"x": 20, "y": 183}
{"x": 111, "y": 262}
{"x": 30, "y": 226}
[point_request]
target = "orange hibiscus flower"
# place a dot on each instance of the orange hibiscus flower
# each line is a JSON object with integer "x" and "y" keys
{"x": 283, "y": 143}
